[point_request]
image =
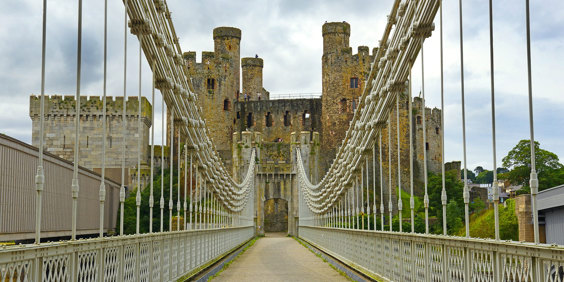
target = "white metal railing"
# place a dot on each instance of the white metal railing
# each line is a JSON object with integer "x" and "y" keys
{"x": 147, "y": 257}
{"x": 418, "y": 257}
{"x": 281, "y": 96}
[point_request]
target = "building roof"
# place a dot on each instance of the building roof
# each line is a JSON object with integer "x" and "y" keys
{"x": 551, "y": 198}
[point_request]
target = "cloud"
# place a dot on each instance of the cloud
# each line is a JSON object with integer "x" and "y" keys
{"x": 287, "y": 35}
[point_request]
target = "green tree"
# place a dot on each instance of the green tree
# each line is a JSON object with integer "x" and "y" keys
{"x": 518, "y": 160}
{"x": 470, "y": 174}
{"x": 454, "y": 189}
{"x": 455, "y": 217}
{"x": 485, "y": 177}
{"x": 478, "y": 170}
{"x": 130, "y": 207}
{"x": 477, "y": 205}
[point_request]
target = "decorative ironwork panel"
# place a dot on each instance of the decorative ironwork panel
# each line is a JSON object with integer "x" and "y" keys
{"x": 157, "y": 260}
{"x": 16, "y": 271}
{"x": 144, "y": 261}
{"x": 111, "y": 264}
{"x": 553, "y": 271}
{"x": 56, "y": 268}
{"x": 88, "y": 266}
{"x": 456, "y": 265}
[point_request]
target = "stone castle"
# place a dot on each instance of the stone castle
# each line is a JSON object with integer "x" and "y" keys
{"x": 239, "y": 119}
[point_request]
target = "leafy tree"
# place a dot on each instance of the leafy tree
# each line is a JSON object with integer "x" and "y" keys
{"x": 485, "y": 177}
{"x": 478, "y": 170}
{"x": 551, "y": 178}
{"x": 470, "y": 174}
{"x": 501, "y": 170}
{"x": 455, "y": 217}
{"x": 130, "y": 207}
{"x": 477, "y": 205}
{"x": 453, "y": 188}
{"x": 518, "y": 160}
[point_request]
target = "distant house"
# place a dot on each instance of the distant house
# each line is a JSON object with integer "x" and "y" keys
{"x": 550, "y": 204}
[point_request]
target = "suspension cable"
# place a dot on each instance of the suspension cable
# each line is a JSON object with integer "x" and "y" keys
{"x": 534, "y": 183}
{"x": 151, "y": 196}
{"x": 495, "y": 189}
{"x": 466, "y": 194}
{"x": 426, "y": 196}
{"x": 400, "y": 204}
{"x": 390, "y": 203}
{"x": 374, "y": 210}
{"x": 171, "y": 172}
{"x": 102, "y": 192}
{"x": 75, "y": 184}
{"x": 443, "y": 176}
{"x": 410, "y": 118}
{"x": 139, "y": 133}
{"x": 124, "y": 121}
{"x": 40, "y": 176}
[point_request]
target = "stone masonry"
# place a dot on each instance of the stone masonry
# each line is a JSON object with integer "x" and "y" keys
{"x": 59, "y": 135}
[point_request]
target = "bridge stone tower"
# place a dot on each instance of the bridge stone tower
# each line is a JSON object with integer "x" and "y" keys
{"x": 276, "y": 183}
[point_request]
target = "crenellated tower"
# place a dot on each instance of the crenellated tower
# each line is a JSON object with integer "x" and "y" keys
{"x": 343, "y": 77}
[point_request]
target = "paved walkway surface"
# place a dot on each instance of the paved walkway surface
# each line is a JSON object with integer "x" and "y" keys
{"x": 278, "y": 258}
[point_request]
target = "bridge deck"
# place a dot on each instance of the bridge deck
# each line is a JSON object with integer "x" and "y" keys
{"x": 278, "y": 258}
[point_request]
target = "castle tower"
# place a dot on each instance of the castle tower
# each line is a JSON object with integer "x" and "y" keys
{"x": 216, "y": 82}
{"x": 252, "y": 78}
{"x": 335, "y": 37}
{"x": 227, "y": 43}
{"x": 343, "y": 76}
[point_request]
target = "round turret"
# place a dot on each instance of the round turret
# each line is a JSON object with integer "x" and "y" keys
{"x": 252, "y": 78}
{"x": 335, "y": 36}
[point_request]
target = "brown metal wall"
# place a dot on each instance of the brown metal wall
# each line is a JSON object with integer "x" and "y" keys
{"x": 18, "y": 165}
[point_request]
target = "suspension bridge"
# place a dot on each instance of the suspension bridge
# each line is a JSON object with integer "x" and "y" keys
{"x": 337, "y": 214}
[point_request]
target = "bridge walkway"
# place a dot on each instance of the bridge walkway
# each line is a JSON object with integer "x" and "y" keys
{"x": 279, "y": 258}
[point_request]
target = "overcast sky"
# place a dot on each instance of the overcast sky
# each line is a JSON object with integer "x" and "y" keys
{"x": 287, "y": 35}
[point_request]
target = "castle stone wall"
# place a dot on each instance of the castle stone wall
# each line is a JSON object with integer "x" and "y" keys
{"x": 59, "y": 127}
{"x": 278, "y": 118}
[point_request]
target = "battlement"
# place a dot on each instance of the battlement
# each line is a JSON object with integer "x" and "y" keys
{"x": 226, "y": 31}
{"x": 56, "y": 105}
{"x": 189, "y": 57}
{"x": 336, "y": 28}
{"x": 252, "y": 62}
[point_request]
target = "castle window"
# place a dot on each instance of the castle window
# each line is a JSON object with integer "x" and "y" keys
{"x": 238, "y": 115}
{"x": 87, "y": 137}
{"x": 343, "y": 104}
{"x": 354, "y": 105}
{"x": 211, "y": 83}
{"x": 437, "y": 130}
{"x": 64, "y": 141}
{"x": 427, "y": 146}
{"x": 226, "y": 105}
{"x": 418, "y": 119}
{"x": 305, "y": 116}
{"x": 287, "y": 120}
{"x": 234, "y": 121}
{"x": 110, "y": 137}
{"x": 268, "y": 118}
{"x": 249, "y": 120}
{"x": 354, "y": 82}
